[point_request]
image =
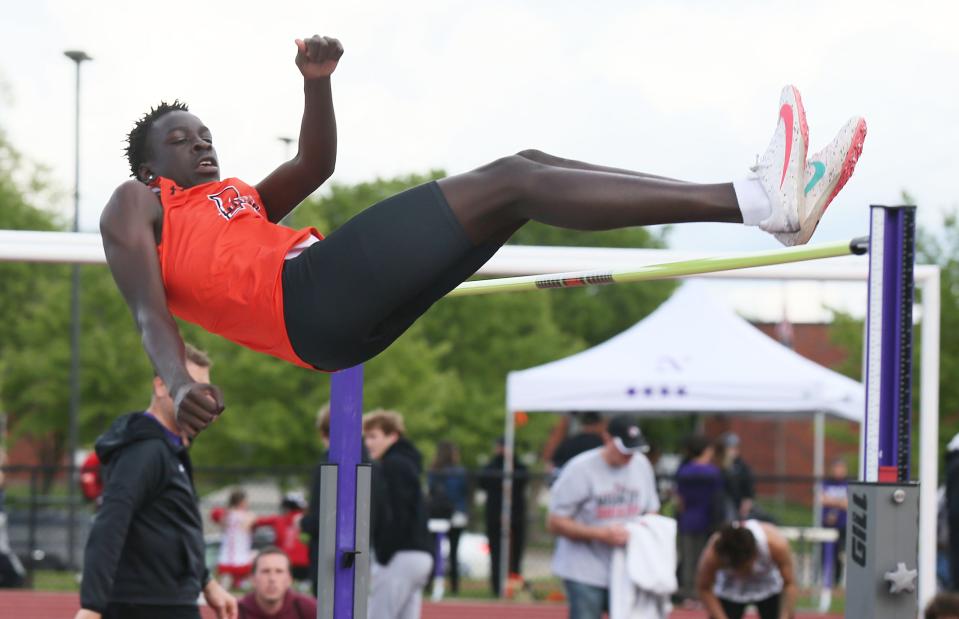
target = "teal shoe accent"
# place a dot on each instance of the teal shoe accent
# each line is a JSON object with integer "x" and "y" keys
{"x": 820, "y": 169}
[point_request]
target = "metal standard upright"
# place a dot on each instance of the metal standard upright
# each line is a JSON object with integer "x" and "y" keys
{"x": 344, "y": 532}
{"x": 883, "y": 524}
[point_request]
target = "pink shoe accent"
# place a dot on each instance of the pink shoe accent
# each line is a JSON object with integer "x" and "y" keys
{"x": 852, "y": 157}
{"x": 789, "y": 116}
{"x": 786, "y": 115}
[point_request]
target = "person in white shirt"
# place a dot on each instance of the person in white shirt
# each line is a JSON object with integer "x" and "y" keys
{"x": 235, "y": 561}
{"x": 595, "y": 495}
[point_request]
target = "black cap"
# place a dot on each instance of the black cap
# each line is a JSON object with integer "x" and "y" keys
{"x": 626, "y": 434}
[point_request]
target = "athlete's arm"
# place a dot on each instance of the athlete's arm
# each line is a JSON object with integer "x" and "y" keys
{"x": 706, "y": 578}
{"x": 295, "y": 180}
{"x": 129, "y": 226}
{"x": 782, "y": 557}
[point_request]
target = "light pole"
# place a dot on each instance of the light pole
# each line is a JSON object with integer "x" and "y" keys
{"x": 77, "y": 57}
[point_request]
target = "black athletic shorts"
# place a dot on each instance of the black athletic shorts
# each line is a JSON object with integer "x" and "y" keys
{"x": 348, "y": 297}
{"x": 767, "y": 609}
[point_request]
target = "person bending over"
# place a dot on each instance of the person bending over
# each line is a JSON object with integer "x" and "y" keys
{"x": 181, "y": 241}
{"x": 747, "y": 563}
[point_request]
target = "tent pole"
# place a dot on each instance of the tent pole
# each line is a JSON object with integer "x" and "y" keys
{"x": 509, "y": 441}
{"x": 818, "y": 468}
{"x": 928, "y": 436}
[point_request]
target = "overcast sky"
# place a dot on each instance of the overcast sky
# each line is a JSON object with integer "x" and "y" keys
{"x": 687, "y": 89}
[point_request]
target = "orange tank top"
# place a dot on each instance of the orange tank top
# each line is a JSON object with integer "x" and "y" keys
{"x": 222, "y": 261}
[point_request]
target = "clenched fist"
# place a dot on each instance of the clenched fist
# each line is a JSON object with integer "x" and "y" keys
{"x": 316, "y": 57}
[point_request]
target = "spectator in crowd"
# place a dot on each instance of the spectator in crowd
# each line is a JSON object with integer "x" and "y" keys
{"x": 589, "y": 436}
{"x": 738, "y": 478}
{"x": 12, "y": 573}
{"x": 235, "y": 560}
{"x": 834, "y": 506}
{"x": 944, "y": 606}
{"x": 448, "y": 492}
{"x": 310, "y": 523}
{"x": 403, "y": 559}
{"x": 747, "y": 563}
{"x": 145, "y": 554}
{"x": 699, "y": 495}
{"x": 272, "y": 596}
{"x": 491, "y": 482}
{"x": 91, "y": 479}
{"x": 286, "y": 533}
{"x": 952, "y": 507}
{"x": 597, "y": 492}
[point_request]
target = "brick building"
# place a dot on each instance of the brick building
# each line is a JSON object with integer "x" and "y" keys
{"x": 785, "y": 447}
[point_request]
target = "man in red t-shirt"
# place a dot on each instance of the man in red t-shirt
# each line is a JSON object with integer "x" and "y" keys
{"x": 272, "y": 597}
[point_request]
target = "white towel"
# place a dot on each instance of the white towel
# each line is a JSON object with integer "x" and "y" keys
{"x": 643, "y": 575}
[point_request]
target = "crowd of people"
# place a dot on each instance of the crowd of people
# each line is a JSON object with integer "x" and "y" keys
{"x": 602, "y": 484}
{"x": 142, "y": 482}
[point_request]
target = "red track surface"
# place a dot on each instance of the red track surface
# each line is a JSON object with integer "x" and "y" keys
{"x": 42, "y": 605}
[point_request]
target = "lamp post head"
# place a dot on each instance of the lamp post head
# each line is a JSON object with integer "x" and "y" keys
{"x": 76, "y": 55}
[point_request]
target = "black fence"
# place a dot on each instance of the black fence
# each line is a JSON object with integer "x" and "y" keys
{"x": 41, "y": 524}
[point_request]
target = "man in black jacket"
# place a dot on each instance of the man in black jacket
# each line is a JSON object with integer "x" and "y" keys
{"x": 401, "y": 541}
{"x": 145, "y": 554}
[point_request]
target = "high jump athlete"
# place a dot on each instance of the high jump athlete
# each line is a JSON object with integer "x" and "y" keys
{"x": 179, "y": 241}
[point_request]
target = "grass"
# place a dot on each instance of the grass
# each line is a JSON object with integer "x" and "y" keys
{"x": 53, "y": 580}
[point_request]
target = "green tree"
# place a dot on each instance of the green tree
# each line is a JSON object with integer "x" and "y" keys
{"x": 942, "y": 248}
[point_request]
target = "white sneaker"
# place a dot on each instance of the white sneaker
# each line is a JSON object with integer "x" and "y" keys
{"x": 780, "y": 169}
{"x": 826, "y": 173}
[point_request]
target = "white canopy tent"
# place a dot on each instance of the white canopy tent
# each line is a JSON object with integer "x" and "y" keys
{"x": 692, "y": 355}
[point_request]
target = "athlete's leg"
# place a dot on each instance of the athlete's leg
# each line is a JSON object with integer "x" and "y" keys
{"x": 516, "y": 188}
{"x": 561, "y": 162}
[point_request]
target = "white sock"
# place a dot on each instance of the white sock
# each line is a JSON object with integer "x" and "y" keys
{"x": 753, "y": 201}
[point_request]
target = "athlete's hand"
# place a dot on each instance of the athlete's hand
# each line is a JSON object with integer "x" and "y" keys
{"x": 316, "y": 57}
{"x": 197, "y": 405}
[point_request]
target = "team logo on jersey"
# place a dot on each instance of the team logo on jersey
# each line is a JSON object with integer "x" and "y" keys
{"x": 229, "y": 202}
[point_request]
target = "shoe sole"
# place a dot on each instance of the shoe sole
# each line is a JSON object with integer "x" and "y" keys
{"x": 848, "y": 167}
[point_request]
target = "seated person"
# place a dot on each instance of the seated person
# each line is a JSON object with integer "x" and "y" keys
{"x": 272, "y": 597}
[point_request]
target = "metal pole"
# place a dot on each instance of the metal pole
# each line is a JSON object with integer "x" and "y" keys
{"x": 928, "y": 437}
{"x": 77, "y": 57}
{"x": 818, "y": 471}
{"x": 506, "y": 513}
{"x": 889, "y": 344}
{"x": 346, "y": 420}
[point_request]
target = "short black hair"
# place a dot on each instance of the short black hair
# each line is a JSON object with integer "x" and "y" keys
{"x": 136, "y": 149}
{"x": 735, "y": 546}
